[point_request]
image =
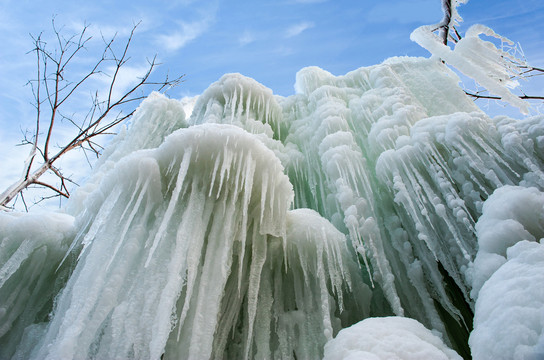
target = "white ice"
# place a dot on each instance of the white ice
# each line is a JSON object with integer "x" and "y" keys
{"x": 510, "y": 215}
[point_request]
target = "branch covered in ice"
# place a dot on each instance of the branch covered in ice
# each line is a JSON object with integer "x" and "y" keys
{"x": 494, "y": 68}
{"x": 481, "y": 60}
{"x": 450, "y": 21}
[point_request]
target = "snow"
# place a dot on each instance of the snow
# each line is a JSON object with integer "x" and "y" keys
{"x": 388, "y": 338}
{"x": 510, "y": 215}
{"x": 264, "y": 226}
{"x": 509, "y": 317}
{"x": 508, "y": 276}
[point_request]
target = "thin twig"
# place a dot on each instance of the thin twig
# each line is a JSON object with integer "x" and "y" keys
{"x": 53, "y": 87}
{"x": 524, "y": 97}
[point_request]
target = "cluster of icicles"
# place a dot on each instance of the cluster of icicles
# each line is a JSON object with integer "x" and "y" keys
{"x": 260, "y": 226}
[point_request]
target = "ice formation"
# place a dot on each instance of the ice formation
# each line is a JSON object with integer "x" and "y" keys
{"x": 260, "y": 226}
{"x": 481, "y": 60}
{"x": 31, "y": 249}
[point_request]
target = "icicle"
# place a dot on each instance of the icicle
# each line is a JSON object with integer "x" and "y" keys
{"x": 172, "y": 204}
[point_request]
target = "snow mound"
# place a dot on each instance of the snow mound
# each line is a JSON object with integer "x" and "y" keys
{"x": 509, "y": 316}
{"x": 511, "y": 214}
{"x": 388, "y": 338}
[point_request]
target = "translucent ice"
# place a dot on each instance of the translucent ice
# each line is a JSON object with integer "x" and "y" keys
{"x": 31, "y": 248}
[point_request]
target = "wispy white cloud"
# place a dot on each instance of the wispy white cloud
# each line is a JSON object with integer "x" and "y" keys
{"x": 297, "y": 29}
{"x": 187, "y": 32}
{"x": 98, "y": 31}
{"x": 282, "y": 50}
{"x": 127, "y": 77}
{"x": 246, "y": 38}
{"x": 12, "y": 164}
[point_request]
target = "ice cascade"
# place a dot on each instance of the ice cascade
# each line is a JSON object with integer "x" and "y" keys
{"x": 261, "y": 226}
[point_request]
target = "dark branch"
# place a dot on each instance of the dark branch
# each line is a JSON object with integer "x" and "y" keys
{"x": 46, "y": 185}
{"x": 492, "y": 97}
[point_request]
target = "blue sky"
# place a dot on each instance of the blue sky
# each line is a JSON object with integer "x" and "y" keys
{"x": 266, "y": 40}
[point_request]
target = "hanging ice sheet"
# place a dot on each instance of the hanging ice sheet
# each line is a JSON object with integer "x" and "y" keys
{"x": 196, "y": 237}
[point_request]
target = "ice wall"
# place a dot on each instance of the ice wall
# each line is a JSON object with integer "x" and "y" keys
{"x": 196, "y": 237}
{"x": 261, "y": 226}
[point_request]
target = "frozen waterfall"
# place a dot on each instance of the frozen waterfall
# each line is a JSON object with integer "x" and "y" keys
{"x": 261, "y": 226}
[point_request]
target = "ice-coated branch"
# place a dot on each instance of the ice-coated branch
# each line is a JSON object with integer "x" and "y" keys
{"x": 496, "y": 68}
{"x": 451, "y": 19}
{"x": 55, "y": 87}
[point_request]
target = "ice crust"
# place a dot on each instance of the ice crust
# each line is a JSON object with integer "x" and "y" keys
{"x": 261, "y": 226}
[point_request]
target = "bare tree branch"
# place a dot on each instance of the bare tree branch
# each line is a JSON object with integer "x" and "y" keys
{"x": 54, "y": 87}
{"x": 480, "y": 96}
{"x": 499, "y": 65}
{"x": 24, "y": 202}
